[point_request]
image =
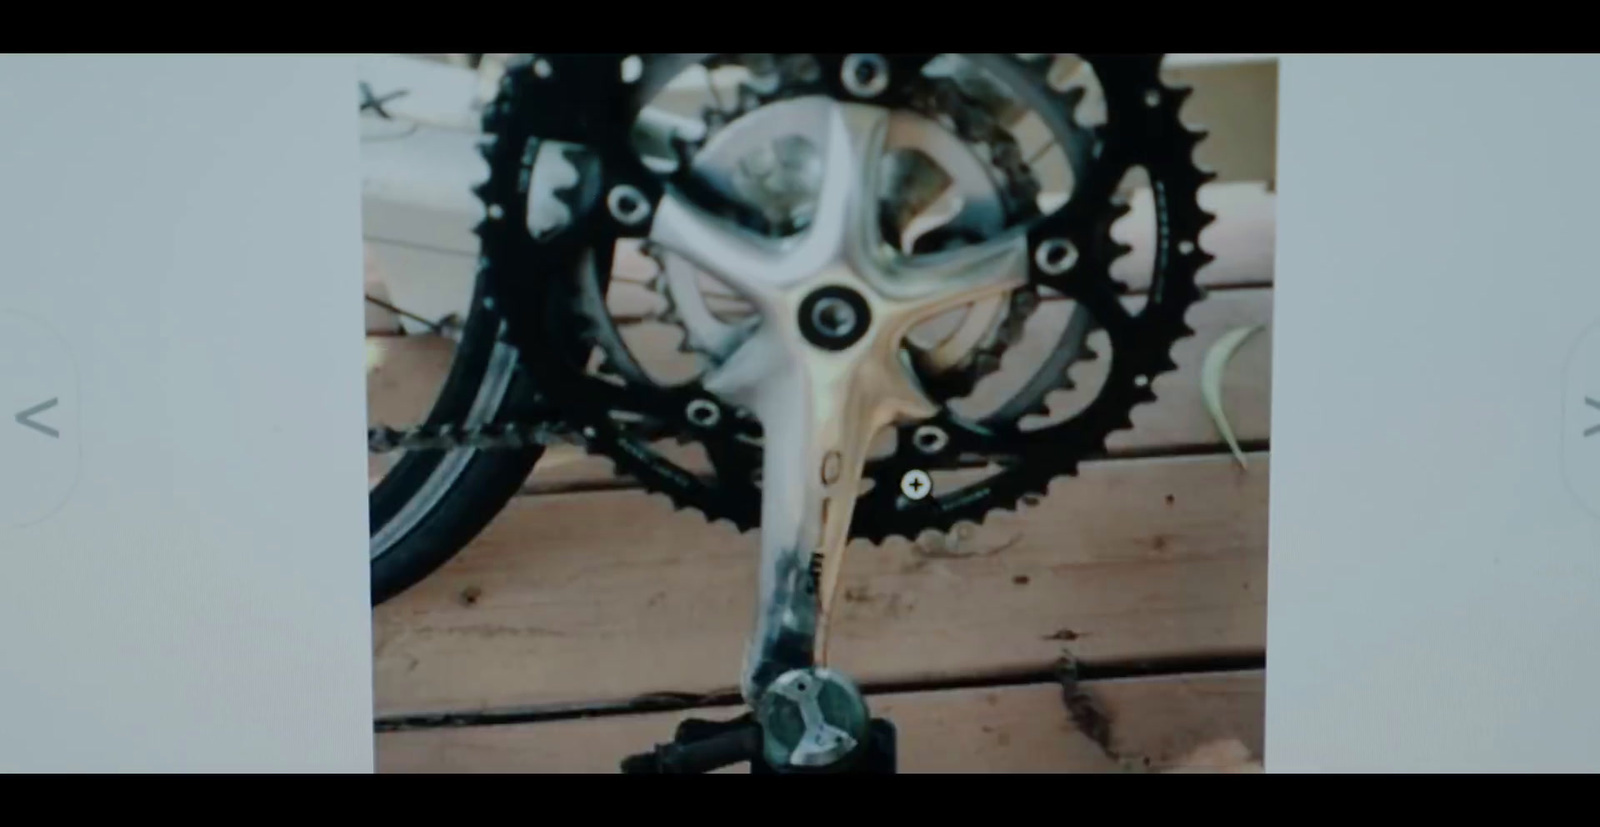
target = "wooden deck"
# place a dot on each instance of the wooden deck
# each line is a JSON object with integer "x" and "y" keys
{"x": 1150, "y": 567}
{"x": 563, "y": 638}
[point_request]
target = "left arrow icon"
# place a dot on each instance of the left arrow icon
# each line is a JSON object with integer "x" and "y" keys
{"x": 25, "y": 418}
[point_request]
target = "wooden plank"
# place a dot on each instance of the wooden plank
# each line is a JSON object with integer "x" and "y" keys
{"x": 1238, "y": 104}
{"x": 1155, "y": 724}
{"x": 402, "y": 222}
{"x": 1176, "y": 419}
{"x": 1243, "y": 238}
{"x": 427, "y": 283}
{"x": 404, "y": 374}
{"x": 610, "y": 595}
{"x": 379, "y": 320}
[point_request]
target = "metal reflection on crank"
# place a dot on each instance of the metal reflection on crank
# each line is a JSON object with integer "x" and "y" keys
{"x": 823, "y": 372}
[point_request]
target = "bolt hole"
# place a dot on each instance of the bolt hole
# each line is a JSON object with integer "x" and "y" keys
{"x": 703, "y": 413}
{"x": 541, "y": 68}
{"x": 1055, "y": 256}
{"x": 930, "y": 439}
{"x": 1141, "y": 380}
{"x": 1152, "y": 98}
{"x": 865, "y": 75}
{"x": 834, "y": 318}
{"x": 496, "y": 211}
{"x": 1186, "y": 247}
{"x": 628, "y": 205}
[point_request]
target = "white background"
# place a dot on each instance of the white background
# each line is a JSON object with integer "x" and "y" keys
{"x": 190, "y": 226}
{"x": 1434, "y": 579}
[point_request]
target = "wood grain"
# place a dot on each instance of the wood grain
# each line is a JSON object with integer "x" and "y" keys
{"x": 610, "y": 595}
{"x": 1154, "y": 723}
{"x": 1177, "y": 419}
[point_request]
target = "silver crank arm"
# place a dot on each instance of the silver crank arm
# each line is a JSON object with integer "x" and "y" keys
{"x": 824, "y": 371}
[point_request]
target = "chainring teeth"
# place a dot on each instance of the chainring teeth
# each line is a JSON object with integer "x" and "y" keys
{"x": 624, "y": 468}
{"x": 515, "y": 117}
{"x": 1177, "y": 276}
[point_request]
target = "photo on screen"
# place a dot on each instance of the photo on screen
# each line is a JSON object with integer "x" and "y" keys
{"x": 1039, "y": 347}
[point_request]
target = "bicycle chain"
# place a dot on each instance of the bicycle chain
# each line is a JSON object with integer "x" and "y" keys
{"x": 506, "y": 436}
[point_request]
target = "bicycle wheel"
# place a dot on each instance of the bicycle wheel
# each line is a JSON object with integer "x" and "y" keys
{"x": 430, "y": 504}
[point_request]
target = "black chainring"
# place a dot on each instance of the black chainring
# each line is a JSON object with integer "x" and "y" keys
{"x": 585, "y": 100}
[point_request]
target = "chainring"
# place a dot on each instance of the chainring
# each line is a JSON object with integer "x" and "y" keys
{"x": 584, "y": 107}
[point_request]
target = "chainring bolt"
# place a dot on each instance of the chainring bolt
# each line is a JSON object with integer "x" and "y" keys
{"x": 930, "y": 439}
{"x": 628, "y": 205}
{"x": 703, "y": 412}
{"x": 1055, "y": 256}
{"x": 865, "y": 75}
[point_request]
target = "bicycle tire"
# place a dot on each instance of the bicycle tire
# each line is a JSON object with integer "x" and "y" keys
{"x": 432, "y": 504}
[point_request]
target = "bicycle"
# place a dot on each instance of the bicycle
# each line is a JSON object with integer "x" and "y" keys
{"x": 809, "y": 244}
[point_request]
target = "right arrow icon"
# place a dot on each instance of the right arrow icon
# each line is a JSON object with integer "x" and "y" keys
{"x": 25, "y": 419}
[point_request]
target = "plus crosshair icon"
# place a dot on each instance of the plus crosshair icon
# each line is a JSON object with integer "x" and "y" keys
{"x": 916, "y": 484}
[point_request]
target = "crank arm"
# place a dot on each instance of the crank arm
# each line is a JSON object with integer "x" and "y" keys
{"x": 824, "y": 372}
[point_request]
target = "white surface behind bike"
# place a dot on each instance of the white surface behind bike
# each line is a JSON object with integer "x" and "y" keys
{"x": 183, "y": 548}
{"x": 1435, "y": 504}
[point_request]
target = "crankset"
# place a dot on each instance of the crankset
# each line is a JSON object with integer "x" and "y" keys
{"x": 818, "y": 275}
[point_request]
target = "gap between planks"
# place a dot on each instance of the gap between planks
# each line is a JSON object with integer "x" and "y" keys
{"x": 610, "y": 596}
{"x": 677, "y": 702}
{"x": 1147, "y": 724}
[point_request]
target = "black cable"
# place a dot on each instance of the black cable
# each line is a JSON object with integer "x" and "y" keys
{"x": 436, "y": 327}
